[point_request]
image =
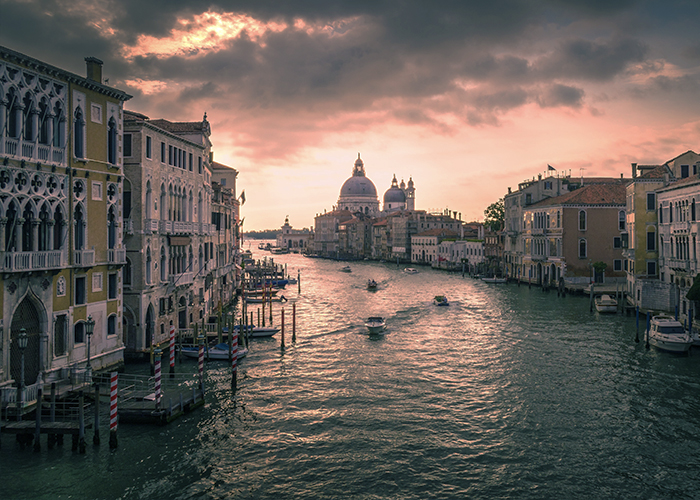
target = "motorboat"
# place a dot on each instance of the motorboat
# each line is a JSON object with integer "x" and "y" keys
{"x": 371, "y": 285}
{"x": 494, "y": 280}
{"x": 440, "y": 300}
{"x": 345, "y": 269}
{"x": 410, "y": 270}
{"x": 257, "y": 331}
{"x": 605, "y": 304}
{"x": 376, "y": 325}
{"x": 668, "y": 334}
{"x": 258, "y": 299}
{"x": 219, "y": 351}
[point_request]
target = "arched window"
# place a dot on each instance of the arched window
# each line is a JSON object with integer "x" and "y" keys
{"x": 692, "y": 210}
{"x": 58, "y": 233}
{"x": 79, "y": 332}
{"x": 78, "y": 133}
{"x": 163, "y": 210}
{"x": 126, "y": 273}
{"x": 126, "y": 200}
{"x": 27, "y": 233}
{"x": 621, "y": 218}
{"x": 45, "y": 123}
{"x": 111, "y": 228}
{"x": 149, "y": 265}
{"x": 59, "y": 120}
{"x": 582, "y": 222}
{"x": 163, "y": 263}
{"x": 28, "y": 118}
{"x": 79, "y": 220}
{"x": 14, "y": 114}
{"x": 149, "y": 201}
{"x": 112, "y": 141}
{"x": 112, "y": 325}
{"x": 45, "y": 242}
{"x": 582, "y": 249}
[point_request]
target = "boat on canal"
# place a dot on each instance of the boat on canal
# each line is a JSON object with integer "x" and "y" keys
{"x": 345, "y": 269}
{"x": 371, "y": 285}
{"x": 257, "y": 331}
{"x": 259, "y": 299}
{"x": 494, "y": 280}
{"x": 668, "y": 334}
{"x": 219, "y": 351}
{"x": 376, "y": 325}
{"x": 440, "y": 300}
{"x": 410, "y": 270}
{"x": 605, "y": 304}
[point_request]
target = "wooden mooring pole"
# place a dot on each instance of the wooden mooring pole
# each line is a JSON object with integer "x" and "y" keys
{"x": 282, "y": 344}
{"x": 96, "y": 435}
{"x": 294, "y": 322}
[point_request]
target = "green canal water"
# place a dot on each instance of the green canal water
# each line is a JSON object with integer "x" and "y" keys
{"x": 509, "y": 392}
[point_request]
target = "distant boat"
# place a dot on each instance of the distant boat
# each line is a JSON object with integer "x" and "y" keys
{"x": 410, "y": 270}
{"x": 371, "y": 285}
{"x": 259, "y": 299}
{"x": 605, "y": 304}
{"x": 440, "y": 300}
{"x": 376, "y": 325}
{"x": 494, "y": 280}
{"x": 257, "y": 331}
{"x": 345, "y": 269}
{"x": 279, "y": 250}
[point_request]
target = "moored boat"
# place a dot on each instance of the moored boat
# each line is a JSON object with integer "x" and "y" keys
{"x": 605, "y": 304}
{"x": 219, "y": 351}
{"x": 376, "y": 325}
{"x": 494, "y": 280}
{"x": 410, "y": 270}
{"x": 668, "y": 334}
{"x": 258, "y": 331}
{"x": 258, "y": 299}
{"x": 345, "y": 269}
{"x": 371, "y": 285}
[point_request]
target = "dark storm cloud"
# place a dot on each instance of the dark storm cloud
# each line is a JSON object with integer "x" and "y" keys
{"x": 561, "y": 95}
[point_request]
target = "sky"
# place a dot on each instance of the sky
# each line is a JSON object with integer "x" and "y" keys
{"x": 467, "y": 98}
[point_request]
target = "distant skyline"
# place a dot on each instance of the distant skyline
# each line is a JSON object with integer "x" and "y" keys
{"x": 466, "y": 97}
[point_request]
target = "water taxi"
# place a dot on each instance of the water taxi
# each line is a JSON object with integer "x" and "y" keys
{"x": 410, "y": 270}
{"x": 440, "y": 300}
{"x": 605, "y": 304}
{"x": 668, "y": 334}
{"x": 376, "y": 325}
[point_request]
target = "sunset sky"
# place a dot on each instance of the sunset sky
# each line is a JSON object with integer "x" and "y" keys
{"x": 466, "y": 97}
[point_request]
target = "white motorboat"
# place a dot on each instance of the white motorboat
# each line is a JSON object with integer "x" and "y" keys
{"x": 376, "y": 325}
{"x": 494, "y": 280}
{"x": 219, "y": 351}
{"x": 258, "y": 331}
{"x": 410, "y": 270}
{"x": 605, "y": 304}
{"x": 668, "y": 334}
{"x": 345, "y": 269}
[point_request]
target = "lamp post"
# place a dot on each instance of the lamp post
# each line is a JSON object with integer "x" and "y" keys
{"x": 89, "y": 327}
{"x": 22, "y": 340}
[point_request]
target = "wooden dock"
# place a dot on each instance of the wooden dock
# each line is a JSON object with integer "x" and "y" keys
{"x": 173, "y": 404}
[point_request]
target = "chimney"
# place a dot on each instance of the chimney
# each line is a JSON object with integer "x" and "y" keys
{"x": 634, "y": 170}
{"x": 94, "y": 69}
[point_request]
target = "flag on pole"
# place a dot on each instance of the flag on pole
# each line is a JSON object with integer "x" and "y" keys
{"x": 243, "y": 197}
{"x": 549, "y": 167}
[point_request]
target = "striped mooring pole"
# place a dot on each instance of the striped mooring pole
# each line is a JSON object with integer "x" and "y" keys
{"x": 201, "y": 362}
{"x": 113, "y": 410}
{"x": 172, "y": 351}
{"x": 158, "y": 354}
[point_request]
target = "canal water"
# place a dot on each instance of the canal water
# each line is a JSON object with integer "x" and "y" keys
{"x": 509, "y": 392}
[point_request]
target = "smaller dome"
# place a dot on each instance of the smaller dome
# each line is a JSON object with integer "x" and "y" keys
{"x": 394, "y": 194}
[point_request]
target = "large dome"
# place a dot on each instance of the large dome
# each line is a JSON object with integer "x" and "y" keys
{"x": 358, "y": 186}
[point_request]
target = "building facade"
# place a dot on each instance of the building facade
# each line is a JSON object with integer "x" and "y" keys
{"x": 61, "y": 194}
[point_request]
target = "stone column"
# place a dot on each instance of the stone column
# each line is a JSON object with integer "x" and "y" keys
{"x": 35, "y": 235}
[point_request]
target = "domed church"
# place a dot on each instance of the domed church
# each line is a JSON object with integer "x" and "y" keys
{"x": 399, "y": 197}
{"x": 358, "y": 193}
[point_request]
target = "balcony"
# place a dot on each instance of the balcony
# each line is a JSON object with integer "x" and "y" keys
{"x": 680, "y": 227}
{"x": 150, "y": 226}
{"x": 181, "y": 279}
{"x": 183, "y": 227}
{"x": 32, "y": 261}
{"x": 84, "y": 258}
{"x": 32, "y": 151}
{"x": 678, "y": 264}
{"x": 166, "y": 226}
{"x": 116, "y": 255}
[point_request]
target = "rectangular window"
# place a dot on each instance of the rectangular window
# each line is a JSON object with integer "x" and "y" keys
{"x": 162, "y": 152}
{"x": 651, "y": 241}
{"x": 651, "y": 268}
{"x": 149, "y": 147}
{"x": 617, "y": 242}
{"x": 617, "y": 265}
{"x": 685, "y": 171}
{"x": 170, "y": 155}
{"x": 199, "y": 162}
{"x": 59, "y": 336}
{"x": 80, "y": 290}
{"x": 621, "y": 220}
{"x": 625, "y": 264}
{"x": 127, "y": 145}
{"x": 112, "y": 286}
{"x": 191, "y": 161}
{"x": 96, "y": 282}
{"x": 651, "y": 201}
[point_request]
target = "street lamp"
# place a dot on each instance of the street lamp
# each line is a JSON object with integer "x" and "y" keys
{"x": 89, "y": 327}
{"x": 22, "y": 341}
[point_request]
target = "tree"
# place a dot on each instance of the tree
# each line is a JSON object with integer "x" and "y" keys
{"x": 494, "y": 216}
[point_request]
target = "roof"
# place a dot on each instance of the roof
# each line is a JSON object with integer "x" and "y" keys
{"x": 593, "y": 194}
{"x": 448, "y": 233}
{"x": 220, "y": 166}
{"x": 180, "y": 127}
